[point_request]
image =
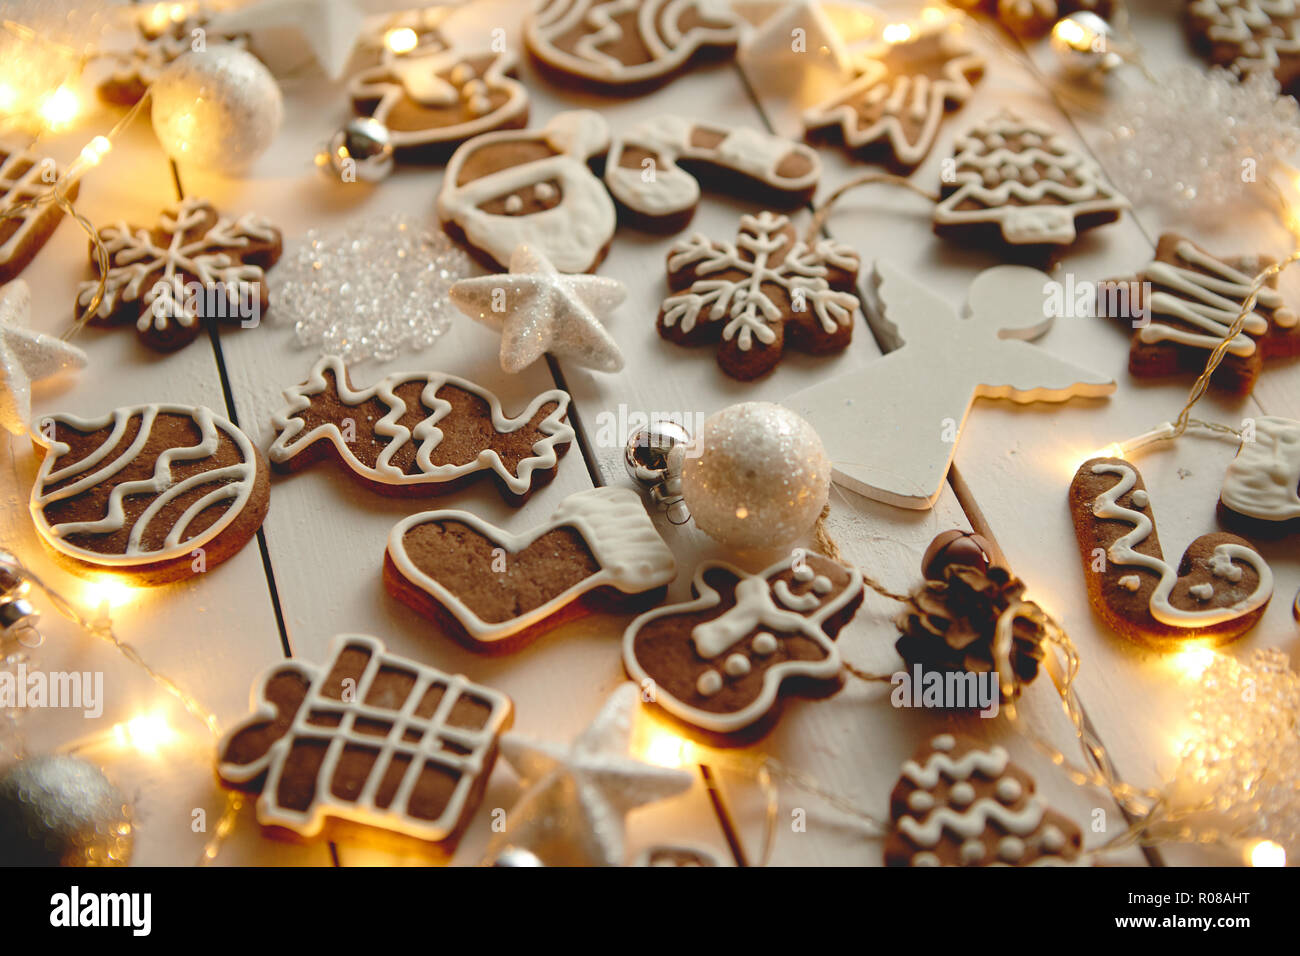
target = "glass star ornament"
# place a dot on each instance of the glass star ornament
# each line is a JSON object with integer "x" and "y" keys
{"x": 573, "y": 810}
{"x": 26, "y": 357}
{"x": 538, "y": 309}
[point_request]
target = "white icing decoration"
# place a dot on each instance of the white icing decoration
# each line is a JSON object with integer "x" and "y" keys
{"x": 1263, "y": 32}
{"x": 943, "y": 742}
{"x": 971, "y": 822}
{"x": 291, "y": 438}
{"x": 920, "y": 801}
{"x": 1202, "y": 592}
{"x": 1140, "y": 498}
{"x": 764, "y": 643}
{"x": 1263, "y": 481}
{"x": 573, "y": 233}
{"x": 926, "y": 859}
{"x": 1122, "y": 553}
{"x": 1053, "y": 839}
{"x": 736, "y": 665}
{"x": 1011, "y": 849}
{"x": 803, "y": 574}
{"x": 990, "y": 763}
{"x": 962, "y": 794}
{"x": 1009, "y": 790}
{"x": 233, "y": 482}
{"x": 514, "y": 205}
{"x": 1221, "y": 566}
{"x": 796, "y": 602}
{"x": 709, "y": 683}
{"x": 1130, "y": 582}
{"x": 754, "y": 608}
{"x": 972, "y": 851}
{"x": 631, "y": 555}
{"x": 16, "y": 187}
{"x": 822, "y": 584}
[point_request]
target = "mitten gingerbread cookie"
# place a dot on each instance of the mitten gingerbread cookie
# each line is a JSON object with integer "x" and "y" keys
{"x": 759, "y": 294}
{"x": 1183, "y": 304}
{"x": 25, "y": 176}
{"x": 721, "y": 661}
{"x": 367, "y": 738}
{"x": 433, "y": 101}
{"x": 1249, "y": 36}
{"x": 532, "y": 187}
{"x": 494, "y": 591}
{"x": 420, "y": 433}
{"x": 1261, "y": 490}
{"x": 1219, "y": 590}
{"x": 1017, "y": 186}
{"x": 156, "y": 493}
{"x": 890, "y": 113}
{"x": 627, "y": 46}
{"x": 195, "y": 266}
{"x": 654, "y": 171}
{"x": 962, "y": 803}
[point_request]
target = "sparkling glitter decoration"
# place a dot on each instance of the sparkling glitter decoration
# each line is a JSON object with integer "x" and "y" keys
{"x": 26, "y": 357}
{"x": 761, "y": 478}
{"x": 373, "y": 291}
{"x": 61, "y": 811}
{"x": 1242, "y": 755}
{"x": 1201, "y": 141}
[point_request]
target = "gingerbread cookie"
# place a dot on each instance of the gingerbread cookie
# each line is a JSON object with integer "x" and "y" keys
{"x": 627, "y": 46}
{"x": 158, "y": 41}
{"x": 420, "y": 433}
{"x": 720, "y": 662}
{"x": 890, "y": 112}
{"x": 962, "y": 803}
{"x": 1016, "y": 185}
{"x": 532, "y": 187}
{"x": 194, "y": 266}
{"x": 494, "y": 591}
{"x": 1029, "y": 18}
{"x": 368, "y": 738}
{"x": 1249, "y": 36}
{"x": 157, "y": 493}
{"x": 25, "y": 176}
{"x": 1219, "y": 590}
{"x": 1182, "y": 305}
{"x": 1261, "y": 489}
{"x": 655, "y": 169}
{"x": 431, "y": 102}
{"x": 760, "y": 293}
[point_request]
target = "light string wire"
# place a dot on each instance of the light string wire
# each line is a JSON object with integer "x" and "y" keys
{"x": 103, "y": 630}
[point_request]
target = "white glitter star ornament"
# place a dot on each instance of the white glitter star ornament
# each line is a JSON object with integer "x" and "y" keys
{"x": 572, "y": 813}
{"x": 26, "y": 357}
{"x": 538, "y": 309}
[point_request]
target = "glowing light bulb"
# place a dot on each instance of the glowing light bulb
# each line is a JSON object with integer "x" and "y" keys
{"x": 1266, "y": 853}
{"x": 401, "y": 39}
{"x": 146, "y": 733}
{"x": 95, "y": 150}
{"x": 59, "y": 108}
{"x": 8, "y": 99}
{"x": 1194, "y": 660}
{"x": 897, "y": 33}
{"x": 664, "y": 748}
{"x": 1072, "y": 34}
{"x": 106, "y": 593}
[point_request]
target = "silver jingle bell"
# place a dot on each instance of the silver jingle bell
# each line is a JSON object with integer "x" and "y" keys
{"x": 361, "y": 150}
{"x": 516, "y": 856}
{"x": 653, "y": 457}
{"x": 12, "y": 579}
{"x": 1084, "y": 44}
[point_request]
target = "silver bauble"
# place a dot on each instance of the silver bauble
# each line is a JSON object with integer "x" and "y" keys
{"x": 1083, "y": 44}
{"x": 57, "y": 810}
{"x": 361, "y": 150}
{"x": 653, "y": 457}
{"x": 516, "y": 856}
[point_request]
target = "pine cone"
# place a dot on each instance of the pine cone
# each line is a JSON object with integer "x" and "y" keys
{"x": 950, "y": 624}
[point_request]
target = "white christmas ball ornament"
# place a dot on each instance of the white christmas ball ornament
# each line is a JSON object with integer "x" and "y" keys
{"x": 217, "y": 109}
{"x": 760, "y": 479}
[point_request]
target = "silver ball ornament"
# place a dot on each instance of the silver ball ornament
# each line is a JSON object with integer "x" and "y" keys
{"x": 361, "y": 150}
{"x": 653, "y": 457}
{"x": 1083, "y": 44}
{"x": 57, "y": 810}
{"x": 516, "y": 856}
{"x": 217, "y": 109}
{"x": 761, "y": 479}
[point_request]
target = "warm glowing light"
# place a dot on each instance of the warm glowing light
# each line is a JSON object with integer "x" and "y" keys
{"x": 108, "y": 593}
{"x": 59, "y": 109}
{"x": 1194, "y": 660}
{"x": 1266, "y": 853}
{"x": 401, "y": 39}
{"x": 897, "y": 33}
{"x": 146, "y": 733}
{"x": 662, "y": 747}
{"x": 1072, "y": 34}
{"x": 8, "y": 98}
{"x": 742, "y": 512}
{"x": 95, "y": 150}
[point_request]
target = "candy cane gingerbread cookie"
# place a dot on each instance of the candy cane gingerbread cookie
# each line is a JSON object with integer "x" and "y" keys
{"x": 1217, "y": 593}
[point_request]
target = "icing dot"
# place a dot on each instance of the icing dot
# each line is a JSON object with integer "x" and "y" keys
{"x": 461, "y": 73}
{"x": 710, "y": 683}
{"x": 764, "y": 643}
{"x": 822, "y": 584}
{"x": 473, "y": 88}
{"x": 1009, "y": 171}
{"x": 544, "y": 192}
{"x": 1009, "y": 790}
{"x": 514, "y": 205}
{"x": 737, "y": 665}
{"x": 1011, "y": 849}
{"x": 920, "y": 801}
{"x": 1130, "y": 582}
{"x": 926, "y": 859}
{"x": 972, "y": 851}
{"x": 1221, "y": 566}
{"x": 1140, "y": 499}
{"x": 1053, "y": 839}
{"x": 944, "y": 742}
{"x": 962, "y": 794}
{"x": 803, "y": 573}
{"x": 1030, "y": 139}
{"x": 995, "y": 141}
{"x": 1202, "y": 592}
{"x": 480, "y": 105}
{"x": 990, "y": 177}
{"x": 1030, "y": 175}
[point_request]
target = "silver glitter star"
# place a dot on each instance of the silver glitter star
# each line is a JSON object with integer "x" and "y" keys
{"x": 572, "y": 813}
{"x": 26, "y": 356}
{"x": 538, "y": 309}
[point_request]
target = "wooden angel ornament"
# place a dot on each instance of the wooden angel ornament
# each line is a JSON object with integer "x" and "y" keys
{"x": 891, "y": 428}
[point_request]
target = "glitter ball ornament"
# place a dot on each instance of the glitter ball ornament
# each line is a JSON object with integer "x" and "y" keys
{"x": 217, "y": 109}
{"x": 373, "y": 291}
{"x": 58, "y": 810}
{"x": 1201, "y": 141}
{"x": 761, "y": 478}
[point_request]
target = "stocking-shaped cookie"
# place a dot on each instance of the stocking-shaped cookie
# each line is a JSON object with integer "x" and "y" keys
{"x": 721, "y": 661}
{"x": 493, "y": 590}
{"x": 532, "y": 187}
{"x": 1219, "y": 590}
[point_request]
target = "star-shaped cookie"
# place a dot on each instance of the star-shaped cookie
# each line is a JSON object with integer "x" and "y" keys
{"x": 26, "y": 357}
{"x": 538, "y": 309}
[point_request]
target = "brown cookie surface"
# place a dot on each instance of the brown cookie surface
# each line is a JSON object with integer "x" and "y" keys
{"x": 1248, "y": 36}
{"x": 25, "y": 176}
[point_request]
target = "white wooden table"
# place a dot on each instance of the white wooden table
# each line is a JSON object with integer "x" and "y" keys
{"x": 318, "y": 573}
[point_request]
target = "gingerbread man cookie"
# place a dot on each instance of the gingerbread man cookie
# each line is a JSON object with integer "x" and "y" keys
{"x": 1183, "y": 304}
{"x": 493, "y": 590}
{"x": 532, "y": 187}
{"x": 962, "y": 803}
{"x": 420, "y": 433}
{"x": 25, "y": 176}
{"x": 654, "y": 170}
{"x": 721, "y": 662}
{"x": 1261, "y": 489}
{"x": 627, "y": 46}
{"x": 156, "y": 493}
{"x": 1219, "y": 590}
{"x": 367, "y": 738}
{"x": 759, "y": 294}
{"x": 1249, "y": 36}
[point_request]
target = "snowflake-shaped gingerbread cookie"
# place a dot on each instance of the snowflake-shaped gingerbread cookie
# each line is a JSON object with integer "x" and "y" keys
{"x": 1249, "y": 36}
{"x": 195, "y": 265}
{"x": 753, "y": 297}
